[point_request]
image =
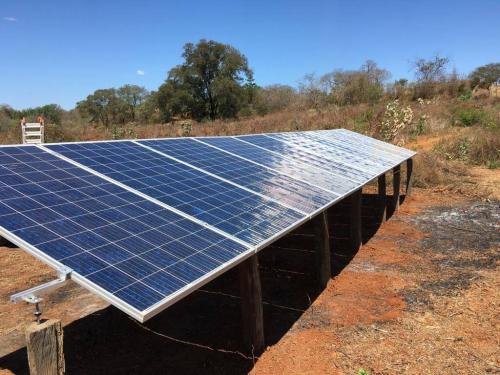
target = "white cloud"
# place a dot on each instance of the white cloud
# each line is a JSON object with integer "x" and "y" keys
{"x": 10, "y": 19}
{"x": 140, "y": 72}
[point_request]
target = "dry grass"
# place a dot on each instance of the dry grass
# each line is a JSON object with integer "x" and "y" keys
{"x": 476, "y": 146}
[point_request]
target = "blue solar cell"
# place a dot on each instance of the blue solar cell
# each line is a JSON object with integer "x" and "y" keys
{"x": 35, "y": 235}
{"x": 136, "y": 267}
{"x": 164, "y": 282}
{"x": 184, "y": 271}
{"x": 65, "y": 227}
{"x": 350, "y": 155}
{"x": 139, "y": 295}
{"x": 15, "y": 221}
{"x": 112, "y": 253}
{"x": 193, "y": 192}
{"x": 160, "y": 258}
{"x": 60, "y": 249}
{"x": 85, "y": 263}
{"x": 111, "y": 279}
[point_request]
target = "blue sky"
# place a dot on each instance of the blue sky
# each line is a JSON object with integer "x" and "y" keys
{"x": 60, "y": 51}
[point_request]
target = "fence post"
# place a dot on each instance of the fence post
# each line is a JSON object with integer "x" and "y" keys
{"x": 44, "y": 343}
{"x": 322, "y": 249}
{"x": 251, "y": 304}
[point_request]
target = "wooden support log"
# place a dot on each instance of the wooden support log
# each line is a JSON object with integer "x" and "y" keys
{"x": 44, "y": 343}
{"x": 382, "y": 196}
{"x": 251, "y": 304}
{"x": 322, "y": 249}
{"x": 396, "y": 185}
{"x": 409, "y": 176}
{"x": 355, "y": 220}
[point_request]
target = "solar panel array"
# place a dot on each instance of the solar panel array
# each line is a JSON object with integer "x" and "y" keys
{"x": 143, "y": 223}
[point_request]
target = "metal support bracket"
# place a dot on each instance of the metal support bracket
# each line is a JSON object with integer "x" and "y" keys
{"x": 32, "y": 295}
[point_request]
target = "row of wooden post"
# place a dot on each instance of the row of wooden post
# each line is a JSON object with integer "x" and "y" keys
{"x": 44, "y": 341}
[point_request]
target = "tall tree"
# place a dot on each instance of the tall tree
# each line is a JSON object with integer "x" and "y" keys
{"x": 428, "y": 73}
{"x": 133, "y": 96}
{"x": 431, "y": 70}
{"x": 103, "y": 106}
{"x": 210, "y": 83}
{"x": 485, "y": 75}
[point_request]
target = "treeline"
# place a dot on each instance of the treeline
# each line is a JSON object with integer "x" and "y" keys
{"x": 216, "y": 82}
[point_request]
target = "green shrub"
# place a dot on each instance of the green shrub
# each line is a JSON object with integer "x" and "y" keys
{"x": 470, "y": 116}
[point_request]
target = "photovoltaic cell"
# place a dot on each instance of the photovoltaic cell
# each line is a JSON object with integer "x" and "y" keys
{"x": 276, "y": 185}
{"x": 117, "y": 240}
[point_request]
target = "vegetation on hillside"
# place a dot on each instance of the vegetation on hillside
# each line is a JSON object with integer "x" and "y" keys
{"x": 213, "y": 93}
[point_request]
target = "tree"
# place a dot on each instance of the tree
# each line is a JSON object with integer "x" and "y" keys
{"x": 428, "y": 73}
{"x": 132, "y": 96}
{"x": 210, "y": 83}
{"x": 103, "y": 106}
{"x": 313, "y": 90}
{"x": 274, "y": 98}
{"x": 376, "y": 75}
{"x": 485, "y": 75}
{"x": 431, "y": 70}
{"x": 365, "y": 85}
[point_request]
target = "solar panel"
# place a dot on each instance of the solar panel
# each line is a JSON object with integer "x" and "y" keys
{"x": 133, "y": 252}
{"x": 250, "y": 217}
{"x": 274, "y": 184}
{"x": 143, "y": 223}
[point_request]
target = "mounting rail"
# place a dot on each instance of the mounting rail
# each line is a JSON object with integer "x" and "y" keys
{"x": 32, "y": 295}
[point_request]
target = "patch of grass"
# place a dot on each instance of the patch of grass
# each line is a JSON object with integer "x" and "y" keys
{"x": 467, "y": 115}
{"x": 477, "y": 147}
{"x": 470, "y": 116}
{"x": 432, "y": 170}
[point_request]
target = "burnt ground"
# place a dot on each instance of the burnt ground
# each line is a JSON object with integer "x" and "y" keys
{"x": 421, "y": 296}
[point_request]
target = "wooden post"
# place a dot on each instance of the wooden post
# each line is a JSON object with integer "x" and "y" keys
{"x": 355, "y": 226}
{"x": 322, "y": 249}
{"x": 44, "y": 343}
{"x": 409, "y": 176}
{"x": 382, "y": 196}
{"x": 251, "y": 304}
{"x": 396, "y": 184}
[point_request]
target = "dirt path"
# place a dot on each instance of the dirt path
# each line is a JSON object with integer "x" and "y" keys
{"x": 420, "y": 297}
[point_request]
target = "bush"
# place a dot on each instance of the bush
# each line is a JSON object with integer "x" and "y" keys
{"x": 396, "y": 119}
{"x": 478, "y": 147}
{"x": 430, "y": 170}
{"x": 470, "y": 116}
